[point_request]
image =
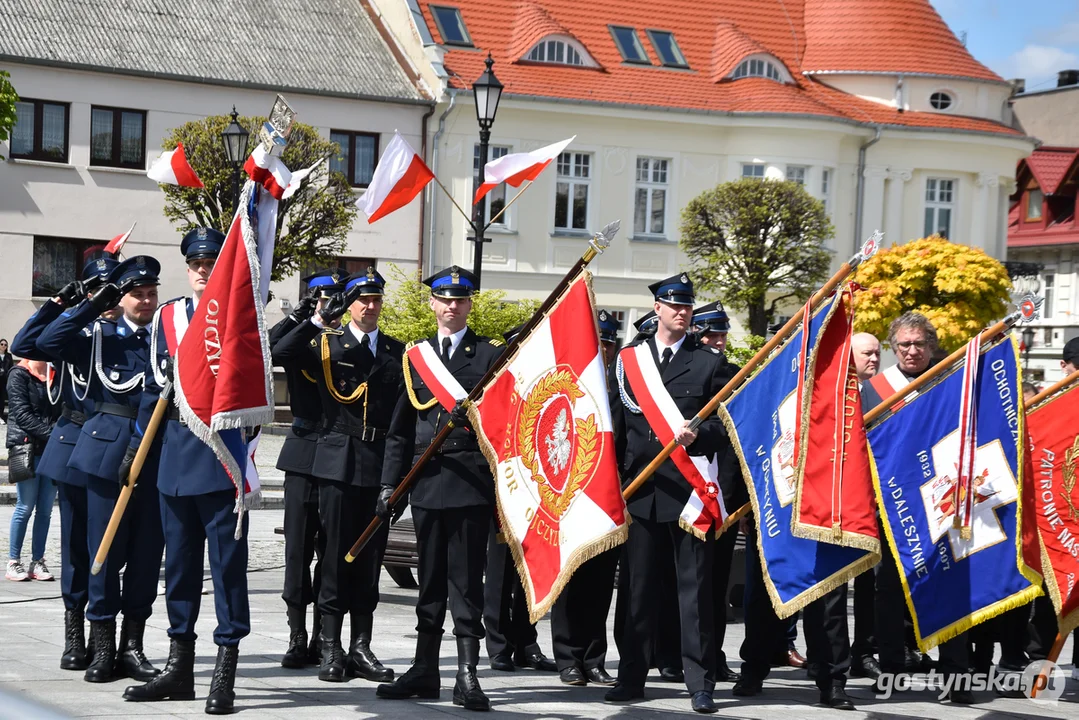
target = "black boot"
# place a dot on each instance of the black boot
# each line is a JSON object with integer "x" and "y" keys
{"x": 130, "y": 660}
{"x": 467, "y": 692}
{"x": 296, "y": 655}
{"x": 101, "y": 665}
{"x": 75, "y": 656}
{"x": 314, "y": 649}
{"x": 222, "y": 696}
{"x": 421, "y": 680}
{"x": 176, "y": 681}
{"x": 361, "y": 661}
{"x": 333, "y": 655}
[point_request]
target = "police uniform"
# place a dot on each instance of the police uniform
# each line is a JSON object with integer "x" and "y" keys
{"x": 452, "y": 504}
{"x": 117, "y": 353}
{"x": 692, "y": 374}
{"x": 579, "y": 616}
{"x": 69, "y": 389}
{"x": 198, "y": 511}
{"x": 359, "y": 378}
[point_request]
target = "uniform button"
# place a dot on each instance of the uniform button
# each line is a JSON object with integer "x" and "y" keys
{"x": 94, "y": 432}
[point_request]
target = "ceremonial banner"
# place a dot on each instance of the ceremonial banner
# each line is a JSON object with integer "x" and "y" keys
{"x": 834, "y": 500}
{"x": 544, "y": 423}
{"x": 952, "y": 583}
{"x": 762, "y": 419}
{"x": 1052, "y": 502}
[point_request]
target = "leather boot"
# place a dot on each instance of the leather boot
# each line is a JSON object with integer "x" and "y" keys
{"x": 314, "y": 649}
{"x": 222, "y": 696}
{"x": 101, "y": 665}
{"x": 333, "y": 655}
{"x": 467, "y": 692}
{"x": 75, "y": 656}
{"x": 176, "y": 681}
{"x": 361, "y": 661}
{"x": 296, "y": 655}
{"x": 130, "y": 660}
{"x": 421, "y": 680}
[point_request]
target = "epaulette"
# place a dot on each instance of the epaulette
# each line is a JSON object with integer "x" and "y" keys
{"x": 412, "y": 344}
{"x": 495, "y": 341}
{"x": 332, "y": 331}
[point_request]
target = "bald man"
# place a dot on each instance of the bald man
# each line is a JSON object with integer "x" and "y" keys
{"x": 866, "y": 351}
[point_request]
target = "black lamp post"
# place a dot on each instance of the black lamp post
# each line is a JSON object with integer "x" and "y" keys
{"x": 487, "y": 91}
{"x": 235, "y": 139}
{"x": 1028, "y": 342}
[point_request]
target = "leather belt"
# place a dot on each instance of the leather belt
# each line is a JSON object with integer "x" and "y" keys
{"x": 125, "y": 411}
{"x": 302, "y": 424}
{"x": 451, "y": 445}
{"x": 73, "y": 415}
{"x": 363, "y": 432}
{"x": 173, "y": 413}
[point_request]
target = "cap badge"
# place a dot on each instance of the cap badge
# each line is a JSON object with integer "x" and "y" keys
{"x": 101, "y": 265}
{"x": 336, "y": 279}
{"x": 684, "y": 278}
{"x": 455, "y": 277}
{"x": 370, "y": 273}
{"x": 201, "y": 233}
{"x": 603, "y": 315}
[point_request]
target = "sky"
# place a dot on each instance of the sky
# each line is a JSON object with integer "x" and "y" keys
{"x": 1030, "y": 39}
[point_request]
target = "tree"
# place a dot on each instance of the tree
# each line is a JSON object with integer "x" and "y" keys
{"x": 959, "y": 288}
{"x": 8, "y": 98}
{"x": 407, "y": 316}
{"x": 757, "y": 245}
{"x": 311, "y": 225}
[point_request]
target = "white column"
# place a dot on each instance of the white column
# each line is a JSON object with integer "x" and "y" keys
{"x": 873, "y": 207}
{"x": 893, "y": 208}
{"x": 983, "y": 225}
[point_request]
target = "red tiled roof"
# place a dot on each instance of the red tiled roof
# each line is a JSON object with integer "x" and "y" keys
{"x": 885, "y": 36}
{"x": 729, "y": 48}
{"x": 1050, "y": 165}
{"x": 507, "y": 29}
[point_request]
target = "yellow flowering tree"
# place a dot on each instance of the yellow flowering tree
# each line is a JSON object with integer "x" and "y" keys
{"x": 959, "y": 288}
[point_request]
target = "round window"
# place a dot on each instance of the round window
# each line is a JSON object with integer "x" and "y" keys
{"x": 940, "y": 100}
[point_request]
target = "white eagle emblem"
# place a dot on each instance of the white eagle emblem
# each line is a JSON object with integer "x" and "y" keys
{"x": 558, "y": 444}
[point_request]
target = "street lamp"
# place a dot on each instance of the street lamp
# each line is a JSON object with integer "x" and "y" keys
{"x": 235, "y": 139}
{"x": 1028, "y": 342}
{"x": 486, "y": 91}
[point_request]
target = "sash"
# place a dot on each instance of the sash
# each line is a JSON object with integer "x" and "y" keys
{"x": 705, "y": 504}
{"x": 435, "y": 374}
{"x": 890, "y": 381}
{"x": 174, "y": 325}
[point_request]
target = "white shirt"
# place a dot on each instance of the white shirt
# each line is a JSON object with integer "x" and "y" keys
{"x": 132, "y": 326}
{"x": 359, "y": 334}
{"x": 455, "y": 340}
{"x": 660, "y": 347}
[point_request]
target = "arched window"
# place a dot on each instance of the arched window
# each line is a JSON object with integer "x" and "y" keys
{"x": 559, "y": 51}
{"x": 757, "y": 67}
{"x": 941, "y": 100}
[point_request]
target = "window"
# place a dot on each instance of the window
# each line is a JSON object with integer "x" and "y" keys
{"x": 556, "y": 51}
{"x": 940, "y": 100}
{"x": 58, "y": 261}
{"x": 939, "y": 203}
{"x": 629, "y": 44}
{"x": 348, "y": 264}
{"x": 496, "y": 199}
{"x": 752, "y": 170}
{"x": 826, "y": 188}
{"x": 40, "y": 131}
{"x": 1034, "y": 205}
{"x": 118, "y": 137}
{"x": 757, "y": 67}
{"x": 666, "y": 48}
{"x": 359, "y": 154}
{"x": 450, "y": 25}
{"x": 571, "y": 191}
{"x": 650, "y": 197}
{"x": 797, "y": 173}
{"x": 1050, "y": 290}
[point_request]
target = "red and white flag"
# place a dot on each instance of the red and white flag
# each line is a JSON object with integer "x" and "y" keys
{"x": 444, "y": 386}
{"x": 516, "y": 168}
{"x": 172, "y": 168}
{"x": 544, "y": 424}
{"x": 400, "y": 176}
{"x": 117, "y": 242}
{"x": 268, "y": 171}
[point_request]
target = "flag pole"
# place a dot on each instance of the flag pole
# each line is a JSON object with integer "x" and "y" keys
{"x": 1052, "y": 389}
{"x": 840, "y": 275}
{"x": 599, "y": 242}
{"x": 463, "y": 213}
{"x": 1042, "y": 680}
{"x": 507, "y": 205}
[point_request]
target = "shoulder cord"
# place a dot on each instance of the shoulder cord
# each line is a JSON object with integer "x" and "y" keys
{"x": 159, "y": 377}
{"x": 76, "y": 381}
{"x": 408, "y": 385}
{"x": 620, "y": 373}
{"x": 327, "y": 376}
{"x": 308, "y": 376}
{"x": 117, "y": 388}
{"x": 59, "y": 372}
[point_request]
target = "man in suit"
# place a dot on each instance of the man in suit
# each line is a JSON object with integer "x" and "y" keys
{"x": 358, "y": 373}
{"x": 690, "y": 374}
{"x": 453, "y": 497}
{"x": 117, "y": 351}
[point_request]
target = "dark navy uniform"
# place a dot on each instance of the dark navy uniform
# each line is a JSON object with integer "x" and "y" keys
{"x": 118, "y": 352}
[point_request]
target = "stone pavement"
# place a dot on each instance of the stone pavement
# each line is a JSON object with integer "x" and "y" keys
{"x": 31, "y": 638}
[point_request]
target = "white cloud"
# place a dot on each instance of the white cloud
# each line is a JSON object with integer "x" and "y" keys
{"x": 1038, "y": 62}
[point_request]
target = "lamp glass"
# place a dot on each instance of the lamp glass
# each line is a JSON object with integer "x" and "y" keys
{"x": 235, "y": 138}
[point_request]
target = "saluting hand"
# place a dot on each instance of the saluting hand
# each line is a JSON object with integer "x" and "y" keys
{"x": 71, "y": 294}
{"x": 684, "y": 436}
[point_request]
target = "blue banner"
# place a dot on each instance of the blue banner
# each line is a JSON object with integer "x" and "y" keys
{"x": 952, "y": 583}
{"x": 761, "y": 419}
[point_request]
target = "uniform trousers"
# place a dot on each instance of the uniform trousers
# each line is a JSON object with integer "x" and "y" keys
{"x": 74, "y": 547}
{"x": 505, "y": 607}
{"x": 865, "y": 644}
{"x": 344, "y": 513}
{"x": 303, "y": 541}
{"x": 194, "y": 524}
{"x": 651, "y": 545}
{"x": 1043, "y": 627}
{"x": 722, "y": 557}
{"x": 137, "y": 547}
{"x": 452, "y": 545}
{"x": 1010, "y": 630}
{"x": 579, "y": 616}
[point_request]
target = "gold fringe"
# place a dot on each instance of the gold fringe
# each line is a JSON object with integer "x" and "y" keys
{"x": 701, "y": 535}
{"x": 327, "y": 375}
{"x": 408, "y": 383}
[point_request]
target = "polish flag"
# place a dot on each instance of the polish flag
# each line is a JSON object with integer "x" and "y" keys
{"x": 268, "y": 171}
{"x": 172, "y": 168}
{"x": 514, "y": 169}
{"x": 117, "y": 242}
{"x": 401, "y": 175}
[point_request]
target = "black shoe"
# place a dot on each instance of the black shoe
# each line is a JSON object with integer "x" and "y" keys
{"x": 101, "y": 665}
{"x": 532, "y": 657}
{"x": 599, "y": 676}
{"x": 745, "y": 687}
{"x": 75, "y": 656}
{"x": 130, "y": 659}
{"x": 176, "y": 681}
{"x": 867, "y": 667}
{"x": 502, "y": 662}
{"x": 702, "y": 702}
{"x": 961, "y": 697}
{"x": 724, "y": 673}
{"x": 572, "y": 676}
{"x": 314, "y": 648}
{"x": 333, "y": 655}
{"x": 622, "y": 693}
{"x": 222, "y": 696}
{"x": 672, "y": 675}
{"x": 361, "y": 661}
{"x": 296, "y": 656}
{"x": 466, "y": 691}
{"x": 836, "y": 698}
{"x": 421, "y": 680}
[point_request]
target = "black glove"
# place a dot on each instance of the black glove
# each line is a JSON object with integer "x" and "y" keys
{"x": 459, "y": 416}
{"x": 382, "y": 505}
{"x": 169, "y": 370}
{"x": 306, "y": 307}
{"x": 71, "y": 294}
{"x": 105, "y": 298}
{"x": 336, "y": 306}
{"x": 125, "y": 465}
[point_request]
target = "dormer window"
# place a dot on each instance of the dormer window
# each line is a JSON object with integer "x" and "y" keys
{"x": 1034, "y": 205}
{"x": 560, "y": 51}
{"x": 757, "y": 67}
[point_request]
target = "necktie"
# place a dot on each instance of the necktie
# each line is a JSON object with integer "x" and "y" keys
{"x": 667, "y": 354}
{"x": 142, "y": 333}
{"x": 366, "y": 343}
{"x": 446, "y": 343}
